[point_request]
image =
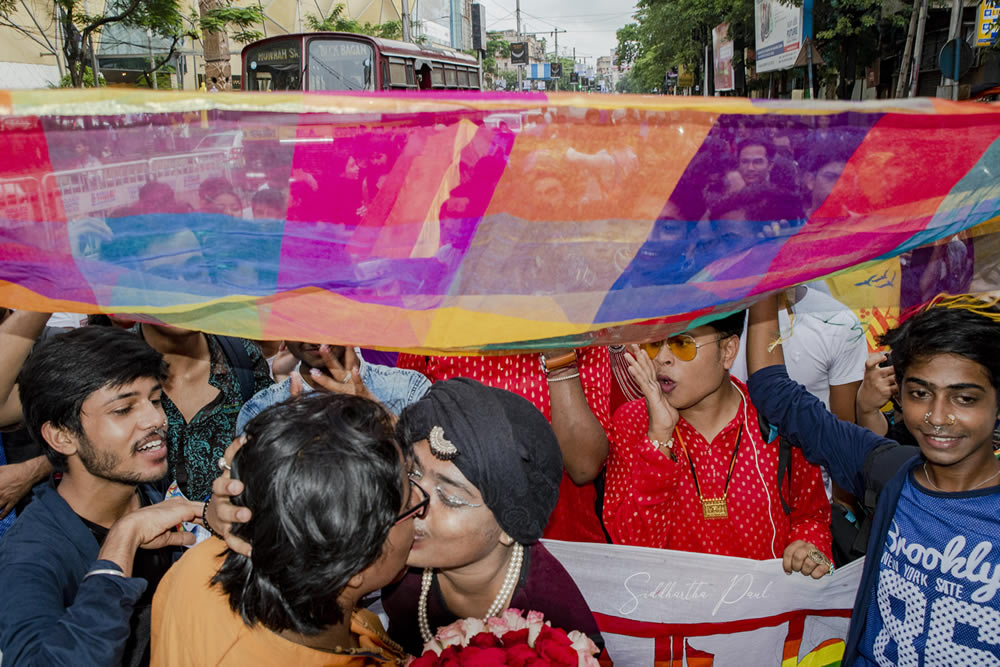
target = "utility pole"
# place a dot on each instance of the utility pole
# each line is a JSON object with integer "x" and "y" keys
{"x": 918, "y": 48}
{"x": 405, "y": 19}
{"x": 954, "y": 33}
{"x": 708, "y": 48}
{"x": 904, "y": 65}
{"x": 556, "y": 33}
{"x": 517, "y": 12}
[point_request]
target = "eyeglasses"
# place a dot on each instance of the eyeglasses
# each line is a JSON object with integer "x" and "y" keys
{"x": 682, "y": 346}
{"x": 418, "y": 511}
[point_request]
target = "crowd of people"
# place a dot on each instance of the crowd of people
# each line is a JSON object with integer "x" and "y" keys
{"x": 420, "y": 489}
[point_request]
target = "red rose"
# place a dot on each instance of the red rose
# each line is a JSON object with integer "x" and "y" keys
{"x": 483, "y": 657}
{"x": 485, "y": 640}
{"x": 450, "y": 653}
{"x": 554, "y": 634}
{"x": 556, "y": 652}
{"x": 428, "y": 659}
{"x": 515, "y": 637}
{"x": 520, "y": 655}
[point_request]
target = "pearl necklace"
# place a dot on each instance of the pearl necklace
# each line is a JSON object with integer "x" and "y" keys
{"x": 506, "y": 591}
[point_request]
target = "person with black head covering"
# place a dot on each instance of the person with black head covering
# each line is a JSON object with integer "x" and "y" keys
{"x": 492, "y": 466}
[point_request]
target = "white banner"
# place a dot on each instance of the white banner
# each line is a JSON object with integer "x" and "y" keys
{"x": 778, "y": 28}
{"x": 675, "y": 608}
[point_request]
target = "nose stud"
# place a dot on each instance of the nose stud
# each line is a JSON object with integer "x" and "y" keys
{"x": 937, "y": 427}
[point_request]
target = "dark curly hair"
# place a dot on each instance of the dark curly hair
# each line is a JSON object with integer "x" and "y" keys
{"x": 940, "y": 330}
{"x": 323, "y": 475}
{"x": 65, "y": 369}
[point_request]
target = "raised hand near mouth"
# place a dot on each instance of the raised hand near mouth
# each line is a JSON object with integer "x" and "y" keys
{"x": 663, "y": 417}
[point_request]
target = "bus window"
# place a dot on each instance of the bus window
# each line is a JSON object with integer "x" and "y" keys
{"x": 340, "y": 64}
{"x": 474, "y": 79}
{"x": 397, "y": 74}
{"x": 437, "y": 77}
{"x": 410, "y": 79}
{"x": 450, "y": 77}
{"x": 463, "y": 79}
{"x": 273, "y": 66}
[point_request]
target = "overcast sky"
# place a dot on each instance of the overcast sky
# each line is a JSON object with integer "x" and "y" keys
{"x": 591, "y": 24}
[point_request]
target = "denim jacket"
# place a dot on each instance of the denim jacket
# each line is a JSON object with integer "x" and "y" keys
{"x": 395, "y": 388}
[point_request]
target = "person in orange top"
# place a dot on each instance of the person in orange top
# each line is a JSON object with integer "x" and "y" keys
{"x": 572, "y": 389}
{"x": 326, "y": 480}
{"x": 690, "y": 470}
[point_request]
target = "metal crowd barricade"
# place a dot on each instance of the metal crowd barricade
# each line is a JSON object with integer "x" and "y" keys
{"x": 103, "y": 189}
{"x": 94, "y": 191}
{"x": 21, "y": 199}
{"x": 184, "y": 173}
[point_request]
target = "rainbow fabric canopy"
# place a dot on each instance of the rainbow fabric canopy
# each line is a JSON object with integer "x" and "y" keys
{"x": 479, "y": 222}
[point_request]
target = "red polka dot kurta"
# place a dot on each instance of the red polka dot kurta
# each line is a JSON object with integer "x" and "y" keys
{"x": 651, "y": 501}
{"x": 574, "y": 517}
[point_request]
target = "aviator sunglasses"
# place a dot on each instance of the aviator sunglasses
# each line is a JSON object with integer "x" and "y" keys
{"x": 682, "y": 346}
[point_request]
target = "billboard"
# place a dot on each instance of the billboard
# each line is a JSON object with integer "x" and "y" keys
{"x": 478, "y": 27}
{"x": 435, "y": 20}
{"x": 519, "y": 53}
{"x": 987, "y": 23}
{"x": 539, "y": 71}
{"x": 722, "y": 55}
{"x": 778, "y": 31}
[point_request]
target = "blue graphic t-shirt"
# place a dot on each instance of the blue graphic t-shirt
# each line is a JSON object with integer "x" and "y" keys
{"x": 938, "y": 596}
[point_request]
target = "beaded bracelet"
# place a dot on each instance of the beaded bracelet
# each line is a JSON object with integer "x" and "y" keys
{"x": 669, "y": 444}
{"x": 204, "y": 517}
{"x": 564, "y": 378}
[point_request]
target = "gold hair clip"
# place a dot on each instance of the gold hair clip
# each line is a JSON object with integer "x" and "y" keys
{"x": 441, "y": 447}
{"x": 981, "y": 304}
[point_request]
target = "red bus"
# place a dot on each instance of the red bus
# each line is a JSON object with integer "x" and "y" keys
{"x": 346, "y": 61}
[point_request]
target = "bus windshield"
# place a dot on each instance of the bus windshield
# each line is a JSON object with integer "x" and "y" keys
{"x": 340, "y": 64}
{"x": 273, "y": 66}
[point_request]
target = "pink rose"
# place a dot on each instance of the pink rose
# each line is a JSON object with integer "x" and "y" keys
{"x": 470, "y": 628}
{"x": 535, "y": 621}
{"x": 585, "y": 648}
{"x": 451, "y": 635}
{"x": 514, "y": 619}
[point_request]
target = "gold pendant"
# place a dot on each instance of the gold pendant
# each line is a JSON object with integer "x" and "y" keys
{"x": 714, "y": 508}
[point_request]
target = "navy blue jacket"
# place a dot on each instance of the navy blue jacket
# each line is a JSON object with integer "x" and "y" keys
{"x": 842, "y": 448}
{"x": 49, "y": 615}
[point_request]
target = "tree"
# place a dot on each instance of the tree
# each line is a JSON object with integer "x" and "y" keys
{"x": 217, "y": 18}
{"x": 851, "y": 37}
{"x": 337, "y": 21}
{"x": 667, "y": 33}
{"x": 162, "y": 18}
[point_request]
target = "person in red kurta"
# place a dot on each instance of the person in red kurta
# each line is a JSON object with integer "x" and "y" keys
{"x": 577, "y": 407}
{"x": 694, "y": 415}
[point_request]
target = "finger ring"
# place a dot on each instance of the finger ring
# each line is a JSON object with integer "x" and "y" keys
{"x": 222, "y": 464}
{"x": 819, "y": 557}
{"x": 347, "y": 380}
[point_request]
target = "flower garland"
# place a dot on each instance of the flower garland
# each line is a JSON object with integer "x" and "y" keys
{"x": 508, "y": 639}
